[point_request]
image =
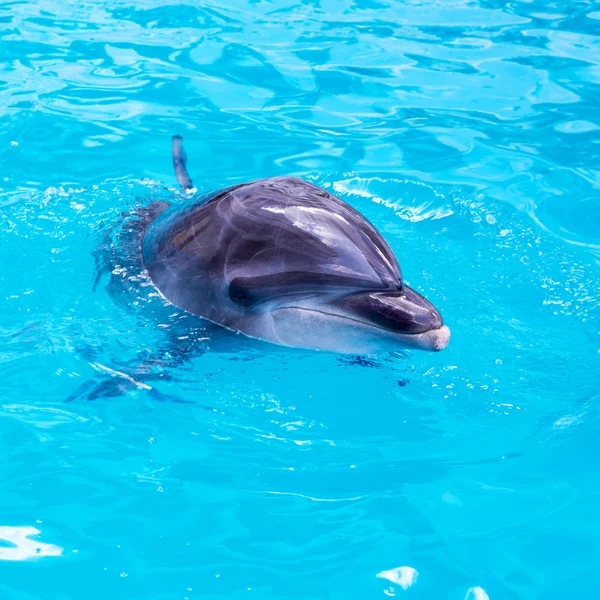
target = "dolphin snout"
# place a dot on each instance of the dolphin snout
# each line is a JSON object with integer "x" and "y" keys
{"x": 403, "y": 312}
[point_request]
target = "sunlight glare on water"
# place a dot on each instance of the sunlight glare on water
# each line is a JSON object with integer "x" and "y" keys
{"x": 206, "y": 466}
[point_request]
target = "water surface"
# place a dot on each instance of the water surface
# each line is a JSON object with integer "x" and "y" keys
{"x": 468, "y": 133}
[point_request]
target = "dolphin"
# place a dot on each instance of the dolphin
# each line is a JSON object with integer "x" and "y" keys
{"x": 287, "y": 262}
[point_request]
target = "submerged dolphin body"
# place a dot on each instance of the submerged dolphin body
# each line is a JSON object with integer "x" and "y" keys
{"x": 284, "y": 261}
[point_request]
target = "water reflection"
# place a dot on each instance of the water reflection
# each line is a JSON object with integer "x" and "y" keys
{"x": 402, "y": 576}
{"x": 22, "y": 548}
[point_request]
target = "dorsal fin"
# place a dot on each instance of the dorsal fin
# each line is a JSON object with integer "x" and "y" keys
{"x": 179, "y": 162}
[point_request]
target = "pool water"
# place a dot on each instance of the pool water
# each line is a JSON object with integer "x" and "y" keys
{"x": 146, "y": 455}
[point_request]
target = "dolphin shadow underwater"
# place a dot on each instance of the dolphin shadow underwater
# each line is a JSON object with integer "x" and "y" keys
{"x": 279, "y": 260}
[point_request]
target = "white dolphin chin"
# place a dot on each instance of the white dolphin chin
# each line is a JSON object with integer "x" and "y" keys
{"x": 303, "y": 327}
{"x": 434, "y": 339}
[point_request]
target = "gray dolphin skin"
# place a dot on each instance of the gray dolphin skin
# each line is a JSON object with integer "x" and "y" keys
{"x": 284, "y": 261}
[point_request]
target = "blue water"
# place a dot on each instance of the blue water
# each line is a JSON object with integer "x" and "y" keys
{"x": 468, "y": 132}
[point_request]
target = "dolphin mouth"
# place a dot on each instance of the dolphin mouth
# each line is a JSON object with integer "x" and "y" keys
{"x": 432, "y": 340}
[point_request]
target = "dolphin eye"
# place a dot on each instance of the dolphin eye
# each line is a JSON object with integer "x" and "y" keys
{"x": 239, "y": 295}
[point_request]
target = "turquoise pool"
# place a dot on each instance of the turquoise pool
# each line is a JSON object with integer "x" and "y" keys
{"x": 468, "y": 132}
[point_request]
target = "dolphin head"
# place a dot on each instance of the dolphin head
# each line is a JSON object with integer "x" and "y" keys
{"x": 285, "y": 261}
